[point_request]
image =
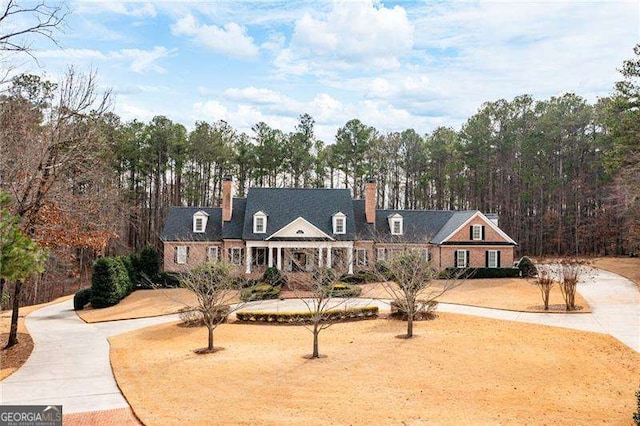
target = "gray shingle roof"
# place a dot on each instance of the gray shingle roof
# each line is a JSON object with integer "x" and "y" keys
{"x": 179, "y": 224}
{"x": 419, "y": 226}
{"x": 456, "y": 219}
{"x": 284, "y": 205}
{"x": 232, "y": 230}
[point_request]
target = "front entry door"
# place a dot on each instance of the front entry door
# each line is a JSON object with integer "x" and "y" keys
{"x": 299, "y": 261}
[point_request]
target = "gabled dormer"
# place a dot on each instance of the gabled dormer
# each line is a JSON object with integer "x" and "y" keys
{"x": 200, "y": 222}
{"x": 339, "y": 223}
{"x": 396, "y": 224}
{"x": 259, "y": 222}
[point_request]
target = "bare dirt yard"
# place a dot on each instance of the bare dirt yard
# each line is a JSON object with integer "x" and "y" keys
{"x": 11, "y": 359}
{"x": 515, "y": 294}
{"x": 141, "y": 304}
{"x": 628, "y": 267}
{"x": 459, "y": 369}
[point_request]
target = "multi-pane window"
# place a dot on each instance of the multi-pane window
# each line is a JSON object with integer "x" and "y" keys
{"x": 235, "y": 255}
{"x": 198, "y": 225}
{"x": 427, "y": 255}
{"x": 397, "y": 227}
{"x": 361, "y": 257}
{"x": 492, "y": 259}
{"x": 476, "y": 232}
{"x": 461, "y": 259}
{"x": 212, "y": 253}
{"x": 339, "y": 225}
{"x": 259, "y": 256}
{"x": 259, "y": 223}
{"x": 381, "y": 254}
{"x": 181, "y": 255}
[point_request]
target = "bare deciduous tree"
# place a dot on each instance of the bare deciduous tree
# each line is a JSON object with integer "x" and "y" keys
{"x": 318, "y": 291}
{"x": 570, "y": 272}
{"x": 19, "y": 23}
{"x": 545, "y": 283}
{"x": 413, "y": 284}
{"x": 217, "y": 295}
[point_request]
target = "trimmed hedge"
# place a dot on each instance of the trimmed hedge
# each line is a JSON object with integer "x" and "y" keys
{"x": 480, "y": 273}
{"x": 262, "y": 291}
{"x": 423, "y": 310}
{"x": 342, "y": 289}
{"x": 191, "y": 317}
{"x": 110, "y": 282}
{"x": 129, "y": 264}
{"x": 360, "y": 277}
{"x": 81, "y": 299}
{"x": 306, "y": 317}
{"x": 149, "y": 262}
{"x": 527, "y": 267}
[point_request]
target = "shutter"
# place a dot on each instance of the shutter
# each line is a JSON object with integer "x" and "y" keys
{"x": 486, "y": 258}
{"x": 455, "y": 258}
{"x": 471, "y": 232}
{"x": 175, "y": 255}
{"x": 468, "y": 261}
{"x": 187, "y": 254}
{"x": 498, "y": 264}
{"x": 483, "y": 232}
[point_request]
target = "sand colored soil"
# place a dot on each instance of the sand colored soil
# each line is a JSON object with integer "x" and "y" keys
{"x": 140, "y": 304}
{"x": 516, "y": 294}
{"x": 117, "y": 417}
{"x": 458, "y": 370}
{"x": 11, "y": 359}
{"x": 628, "y": 267}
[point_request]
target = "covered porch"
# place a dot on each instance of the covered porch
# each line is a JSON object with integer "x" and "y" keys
{"x": 298, "y": 256}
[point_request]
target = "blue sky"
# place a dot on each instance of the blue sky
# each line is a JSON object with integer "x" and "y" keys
{"x": 393, "y": 65}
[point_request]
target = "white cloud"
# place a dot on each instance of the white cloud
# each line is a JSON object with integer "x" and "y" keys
{"x": 231, "y": 40}
{"x": 350, "y": 35}
{"x": 137, "y": 10}
{"x": 139, "y": 60}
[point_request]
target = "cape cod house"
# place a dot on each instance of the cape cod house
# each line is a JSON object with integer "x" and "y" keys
{"x": 295, "y": 229}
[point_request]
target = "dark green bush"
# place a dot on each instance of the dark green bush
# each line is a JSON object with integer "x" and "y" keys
{"x": 479, "y": 273}
{"x": 81, "y": 299}
{"x": 169, "y": 279}
{"x": 360, "y": 277}
{"x": 383, "y": 272}
{"x": 132, "y": 273}
{"x": 306, "y": 317}
{"x": 274, "y": 276}
{"x": 109, "y": 283}
{"x": 527, "y": 267}
{"x": 262, "y": 291}
{"x": 342, "y": 289}
{"x": 325, "y": 276}
{"x": 149, "y": 262}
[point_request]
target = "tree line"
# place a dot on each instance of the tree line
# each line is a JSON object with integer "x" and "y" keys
{"x": 562, "y": 173}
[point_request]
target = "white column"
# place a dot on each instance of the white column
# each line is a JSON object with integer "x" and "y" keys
{"x": 329, "y": 257}
{"x": 279, "y": 258}
{"x": 270, "y": 256}
{"x": 248, "y": 260}
{"x": 319, "y": 257}
{"x": 350, "y": 257}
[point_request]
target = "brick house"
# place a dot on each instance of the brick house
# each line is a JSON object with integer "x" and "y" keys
{"x": 295, "y": 229}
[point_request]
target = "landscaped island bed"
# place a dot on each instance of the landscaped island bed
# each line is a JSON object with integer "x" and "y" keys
{"x": 459, "y": 369}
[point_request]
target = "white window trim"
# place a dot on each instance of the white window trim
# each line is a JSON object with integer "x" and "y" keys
{"x": 427, "y": 254}
{"x": 233, "y": 250}
{"x": 495, "y": 259}
{"x": 358, "y": 251}
{"x": 182, "y": 255}
{"x": 213, "y": 249}
{"x": 255, "y": 257}
{"x": 202, "y": 217}
{"x": 381, "y": 254}
{"x": 463, "y": 258}
{"x": 263, "y": 216}
{"x": 477, "y": 228}
{"x": 394, "y": 222}
{"x": 337, "y": 218}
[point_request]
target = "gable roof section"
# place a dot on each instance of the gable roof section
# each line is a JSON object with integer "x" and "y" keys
{"x": 179, "y": 224}
{"x": 459, "y": 226}
{"x": 299, "y": 229}
{"x": 419, "y": 226}
{"x": 284, "y": 205}
{"x": 456, "y": 221}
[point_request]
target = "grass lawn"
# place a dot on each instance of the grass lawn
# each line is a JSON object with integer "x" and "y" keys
{"x": 14, "y": 357}
{"x": 628, "y": 267}
{"x": 458, "y": 370}
{"x": 516, "y": 294}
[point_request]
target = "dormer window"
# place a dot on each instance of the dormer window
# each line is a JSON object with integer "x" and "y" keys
{"x": 339, "y": 223}
{"x": 396, "y": 224}
{"x": 200, "y": 222}
{"x": 259, "y": 223}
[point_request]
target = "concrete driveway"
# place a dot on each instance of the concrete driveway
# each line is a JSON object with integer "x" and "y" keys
{"x": 70, "y": 361}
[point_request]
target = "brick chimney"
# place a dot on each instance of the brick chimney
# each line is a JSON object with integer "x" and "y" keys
{"x": 227, "y": 198}
{"x": 370, "y": 200}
